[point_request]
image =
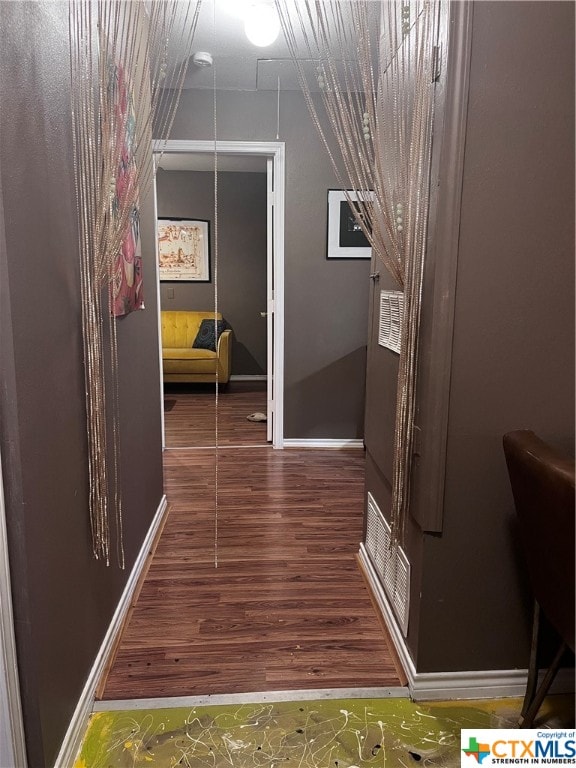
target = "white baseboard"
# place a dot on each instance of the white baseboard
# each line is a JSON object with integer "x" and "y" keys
{"x": 319, "y": 443}
{"x": 434, "y": 686}
{"x": 263, "y": 697}
{"x": 247, "y": 377}
{"x": 388, "y": 615}
{"x": 79, "y": 723}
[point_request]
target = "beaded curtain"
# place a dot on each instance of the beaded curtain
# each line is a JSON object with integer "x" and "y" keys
{"x": 367, "y": 72}
{"x": 128, "y": 60}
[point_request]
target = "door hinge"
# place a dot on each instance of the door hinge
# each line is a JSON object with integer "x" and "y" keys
{"x": 436, "y": 63}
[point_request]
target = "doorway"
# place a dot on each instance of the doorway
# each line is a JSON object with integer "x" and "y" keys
{"x": 273, "y": 155}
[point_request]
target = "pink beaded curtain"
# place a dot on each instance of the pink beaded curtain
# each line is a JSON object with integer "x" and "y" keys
{"x": 128, "y": 60}
{"x": 366, "y": 70}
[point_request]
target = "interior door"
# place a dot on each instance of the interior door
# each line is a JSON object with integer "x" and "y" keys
{"x": 270, "y": 308}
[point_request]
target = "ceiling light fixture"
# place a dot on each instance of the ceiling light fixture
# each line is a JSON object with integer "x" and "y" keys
{"x": 202, "y": 59}
{"x": 261, "y": 24}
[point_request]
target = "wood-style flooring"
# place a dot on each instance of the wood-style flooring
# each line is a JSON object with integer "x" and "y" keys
{"x": 190, "y": 414}
{"x": 286, "y": 608}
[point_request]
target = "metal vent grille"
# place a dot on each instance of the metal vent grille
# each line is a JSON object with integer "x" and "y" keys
{"x": 390, "y": 324}
{"x": 390, "y": 563}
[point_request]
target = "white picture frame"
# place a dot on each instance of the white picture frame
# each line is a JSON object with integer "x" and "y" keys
{"x": 346, "y": 240}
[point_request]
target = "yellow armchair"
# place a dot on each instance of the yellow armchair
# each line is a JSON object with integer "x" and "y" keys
{"x": 183, "y": 362}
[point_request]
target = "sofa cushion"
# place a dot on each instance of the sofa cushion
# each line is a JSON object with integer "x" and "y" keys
{"x": 180, "y": 327}
{"x": 208, "y": 334}
{"x": 187, "y": 353}
{"x": 187, "y": 363}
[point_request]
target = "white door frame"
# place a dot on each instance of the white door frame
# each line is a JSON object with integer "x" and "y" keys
{"x": 276, "y": 151}
{"x": 157, "y": 277}
{"x": 270, "y": 307}
{"x": 12, "y": 744}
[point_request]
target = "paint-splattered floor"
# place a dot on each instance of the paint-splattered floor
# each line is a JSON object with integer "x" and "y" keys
{"x": 338, "y": 733}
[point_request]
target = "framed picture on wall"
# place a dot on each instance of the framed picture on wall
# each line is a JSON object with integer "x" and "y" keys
{"x": 184, "y": 250}
{"x": 346, "y": 240}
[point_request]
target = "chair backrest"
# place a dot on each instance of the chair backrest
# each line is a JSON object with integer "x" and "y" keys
{"x": 180, "y": 327}
{"x": 543, "y": 488}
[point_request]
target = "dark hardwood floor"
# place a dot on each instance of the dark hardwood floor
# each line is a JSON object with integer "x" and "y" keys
{"x": 286, "y": 608}
{"x": 190, "y": 414}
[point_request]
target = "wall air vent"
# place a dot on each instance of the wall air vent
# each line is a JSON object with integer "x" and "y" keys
{"x": 390, "y": 325}
{"x": 390, "y": 563}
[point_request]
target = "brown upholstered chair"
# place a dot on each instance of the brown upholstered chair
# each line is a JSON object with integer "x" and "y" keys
{"x": 543, "y": 488}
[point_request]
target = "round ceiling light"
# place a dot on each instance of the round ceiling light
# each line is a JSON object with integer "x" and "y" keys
{"x": 261, "y": 24}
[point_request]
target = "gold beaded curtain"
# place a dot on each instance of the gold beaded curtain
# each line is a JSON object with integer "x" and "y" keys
{"x": 366, "y": 70}
{"x": 128, "y": 61}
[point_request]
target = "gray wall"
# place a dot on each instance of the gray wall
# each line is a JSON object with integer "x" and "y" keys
{"x": 241, "y": 254}
{"x": 63, "y": 599}
{"x": 513, "y": 347}
{"x": 326, "y": 301}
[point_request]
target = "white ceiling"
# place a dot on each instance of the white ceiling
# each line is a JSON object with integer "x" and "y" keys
{"x": 236, "y": 60}
{"x": 238, "y": 64}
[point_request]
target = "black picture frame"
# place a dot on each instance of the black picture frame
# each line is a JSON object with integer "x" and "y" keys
{"x": 184, "y": 250}
{"x": 345, "y": 238}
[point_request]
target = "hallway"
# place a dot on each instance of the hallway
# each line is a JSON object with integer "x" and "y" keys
{"x": 286, "y": 609}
